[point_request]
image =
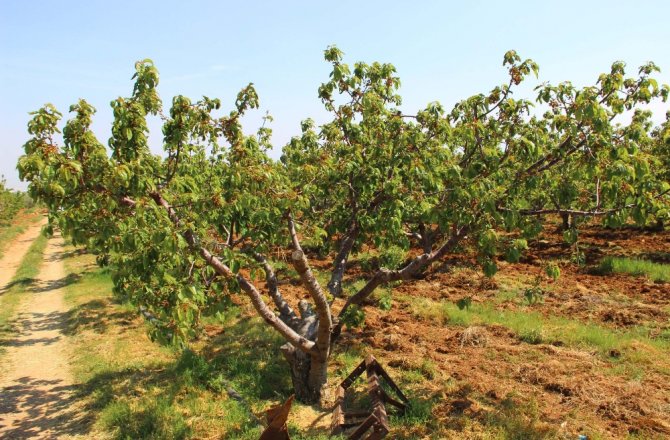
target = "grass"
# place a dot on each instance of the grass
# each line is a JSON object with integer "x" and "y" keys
{"x": 507, "y": 295}
{"x": 134, "y": 388}
{"x": 657, "y": 272}
{"x": 20, "y": 285}
{"x": 533, "y": 327}
{"x": 131, "y": 386}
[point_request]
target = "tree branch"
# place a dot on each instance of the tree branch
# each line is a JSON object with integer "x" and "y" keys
{"x": 573, "y": 212}
{"x": 414, "y": 267}
{"x": 254, "y": 295}
{"x": 340, "y": 261}
{"x": 301, "y": 265}
{"x": 127, "y": 201}
{"x": 286, "y": 313}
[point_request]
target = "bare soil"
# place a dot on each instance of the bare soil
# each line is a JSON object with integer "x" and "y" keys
{"x": 479, "y": 373}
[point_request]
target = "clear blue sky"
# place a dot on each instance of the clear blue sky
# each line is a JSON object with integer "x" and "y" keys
{"x": 59, "y": 51}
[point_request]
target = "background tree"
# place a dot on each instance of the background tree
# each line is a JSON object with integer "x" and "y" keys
{"x": 10, "y": 202}
{"x": 661, "y": 152}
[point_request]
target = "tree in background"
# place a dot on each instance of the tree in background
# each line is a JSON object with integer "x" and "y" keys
{"x": 661, "y": 152}
{"x": 10, "y": 202}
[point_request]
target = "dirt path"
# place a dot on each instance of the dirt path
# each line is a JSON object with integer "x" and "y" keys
{"x": 36, "y": 390}
{"x": 15, "y": 253}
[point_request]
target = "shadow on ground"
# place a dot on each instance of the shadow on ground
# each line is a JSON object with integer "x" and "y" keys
{"x": 21, "y": 282}
{"x": 50, "y": 407}
{"x": 46, "y": 286}
{"x": 95, "y": 316}
{"x": 28, "y": 322}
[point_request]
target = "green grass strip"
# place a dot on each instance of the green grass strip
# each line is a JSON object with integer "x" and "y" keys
{"x": 636, "y": 266}
{"x": 535, "y": 328}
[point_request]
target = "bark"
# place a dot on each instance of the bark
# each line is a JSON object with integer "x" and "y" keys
{"x": 309, "y": 374}
{"x": 127, "y": 201}
{"x": 231, "y": 234}
{"x": 286, "y": 313}
{"x": 660, "y": 225}
{"x": 309, "y": 370}
{"x": 309, "y": 364}
{"x": 325, "y": 320}
{"x": 570, "y": 212}
{"x": 426, "y": 240}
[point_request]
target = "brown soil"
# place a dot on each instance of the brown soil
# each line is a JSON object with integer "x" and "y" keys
{"x": 36, "y": 387}
{"x": 478, "y": 374}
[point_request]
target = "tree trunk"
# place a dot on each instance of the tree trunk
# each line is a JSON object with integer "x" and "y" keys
{"x": 566, "y": 221}
{"x": 309, "y": 374}
{"x": 231, "y": 234}
{"x": 340, "y": 261}
{"x": 660, "y": 224}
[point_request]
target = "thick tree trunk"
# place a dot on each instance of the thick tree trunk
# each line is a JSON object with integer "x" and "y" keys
{"x": 309, "y": 374}
{"x": 308, "y": 368}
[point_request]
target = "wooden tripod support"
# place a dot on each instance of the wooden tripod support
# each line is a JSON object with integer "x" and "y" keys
{"x": 376, "y": 419}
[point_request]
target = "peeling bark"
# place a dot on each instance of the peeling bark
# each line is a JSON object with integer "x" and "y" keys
{"x": 310, "y": 282}
{"x": 309, "y": 375}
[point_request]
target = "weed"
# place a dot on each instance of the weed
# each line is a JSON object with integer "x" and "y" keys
{"x": 504, "y": 296}
{"x": 531, "y": 335}
{"x": 391, "y": 258}
{"x": 428, "y": 369}
{"x": 518, "y": 419}
{"x": 533, "y": 294}
{"x": 354, "y": 317}
{"x": 133, "y": 388}
{"x": 553, "y": 271}
{"x": 533, "y": 327}
{"x": 159, "y": 419}
{"x": 464, "y": 303}
{"x": 418, "y": 412}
